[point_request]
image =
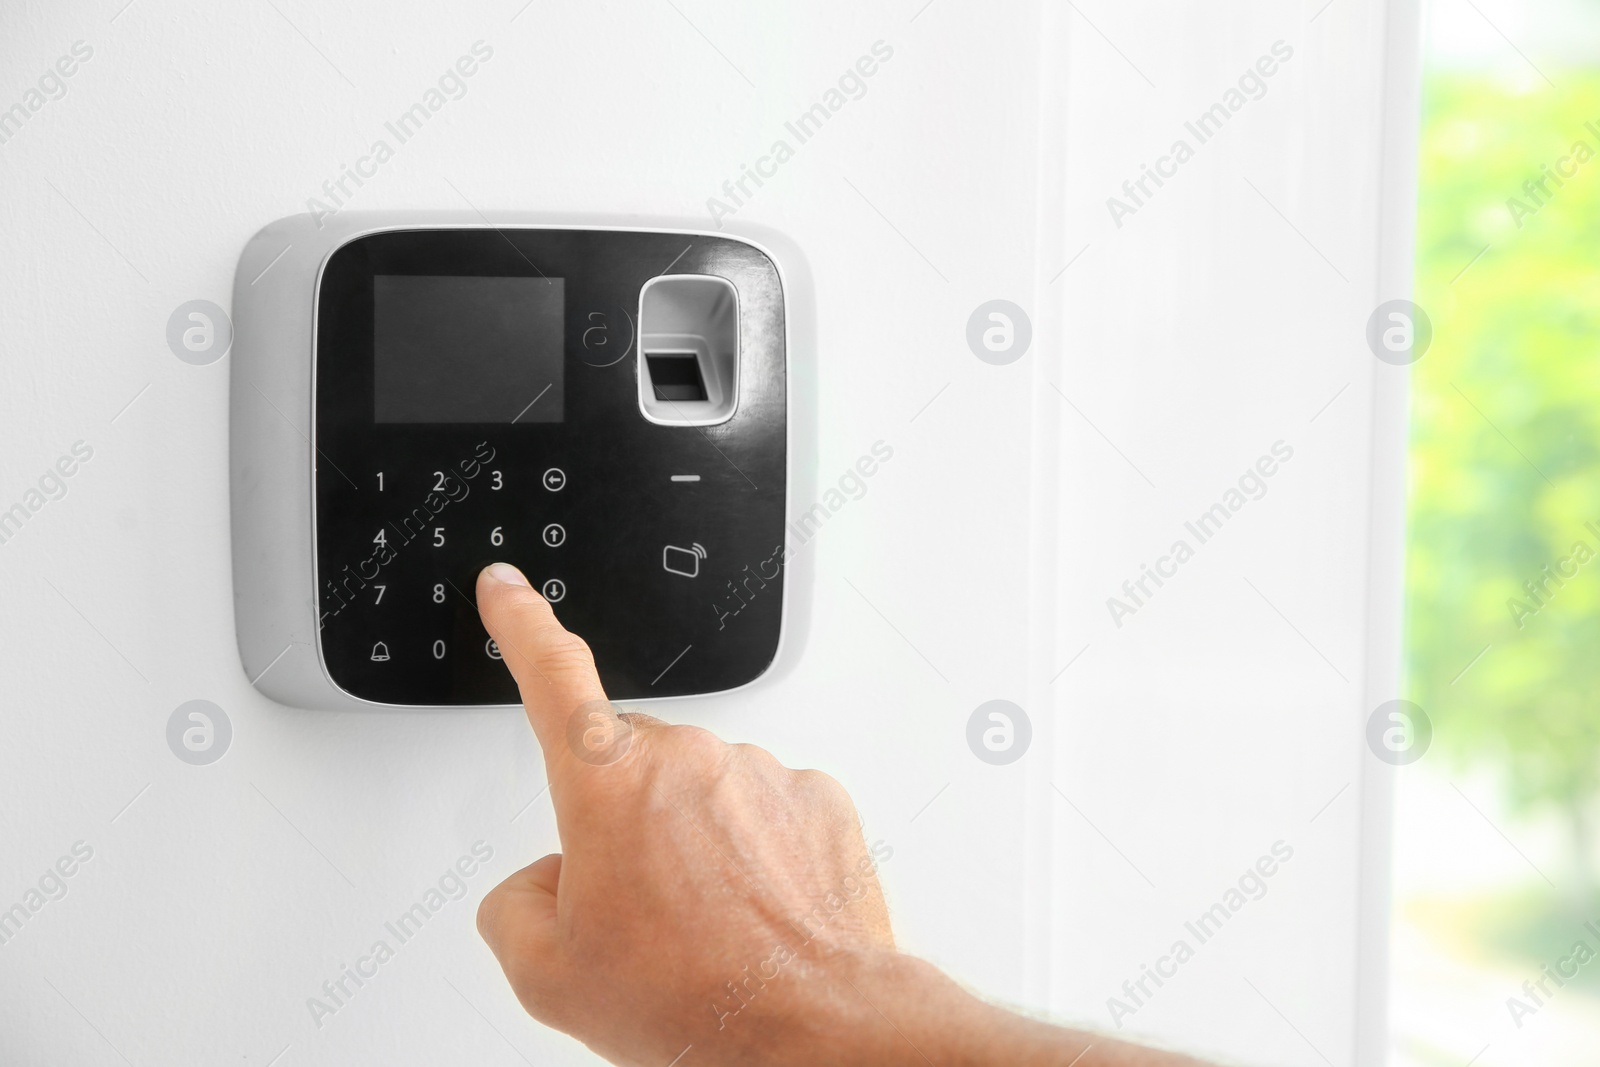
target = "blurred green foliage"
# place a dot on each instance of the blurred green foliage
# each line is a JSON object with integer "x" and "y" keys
{"x": 1505, "y": 448}
{"x": 1530, "y": 927}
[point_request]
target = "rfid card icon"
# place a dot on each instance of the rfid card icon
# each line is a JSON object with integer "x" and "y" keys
{"x": 684, "y": 561}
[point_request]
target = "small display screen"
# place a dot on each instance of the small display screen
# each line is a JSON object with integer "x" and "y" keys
{"x": 468, "y": 349}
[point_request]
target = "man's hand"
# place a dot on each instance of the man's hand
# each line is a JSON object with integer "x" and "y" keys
{"x": 711, "y": 906}
{"x": 704, "y": 893}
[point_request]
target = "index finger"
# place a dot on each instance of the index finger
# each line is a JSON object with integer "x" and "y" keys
{"x": 553, "y": 667}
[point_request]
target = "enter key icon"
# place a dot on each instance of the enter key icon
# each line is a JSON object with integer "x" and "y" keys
{"x": 684, "y": 561}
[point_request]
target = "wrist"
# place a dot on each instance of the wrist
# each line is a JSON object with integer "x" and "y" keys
{"x": 887, "y": 1009}
{"x": 900, "y": 1011}
{"x": 875, "y": 1007}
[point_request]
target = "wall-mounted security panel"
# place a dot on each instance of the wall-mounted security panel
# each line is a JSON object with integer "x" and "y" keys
{"x": 605, "y": 408}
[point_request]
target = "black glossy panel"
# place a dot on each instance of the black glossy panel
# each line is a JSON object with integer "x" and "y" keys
{"x": 644, "y": 565}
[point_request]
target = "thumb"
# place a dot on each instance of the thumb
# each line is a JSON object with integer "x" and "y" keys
{"x": 517, "y": 920}
{"x": 553, "y": 666}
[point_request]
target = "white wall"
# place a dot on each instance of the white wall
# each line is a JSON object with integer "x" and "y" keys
{"x": 1226, "y": 315}
{"x": 1182, "y": 744}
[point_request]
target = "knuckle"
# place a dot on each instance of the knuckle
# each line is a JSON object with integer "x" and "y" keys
{"x": 824, "y": 787}
{"x": 519, "y": 615}
{"x": 699, "y": 747}
{"x": 556, "y": 650}
{"x": 560, "y": 644}
{"x": 517, "y": 603}
{"x": 683, "y": 759}
{"x": 754, "y": 757}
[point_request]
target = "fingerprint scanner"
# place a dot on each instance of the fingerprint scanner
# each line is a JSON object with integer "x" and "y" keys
{"x": 676, "y": 376}
{"x": 689, "y": 335}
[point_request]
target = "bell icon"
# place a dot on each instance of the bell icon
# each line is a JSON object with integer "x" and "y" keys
{"x": 380, "y": 653}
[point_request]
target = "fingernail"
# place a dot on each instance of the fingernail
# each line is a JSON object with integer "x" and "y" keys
{"x": 506, "y": 574}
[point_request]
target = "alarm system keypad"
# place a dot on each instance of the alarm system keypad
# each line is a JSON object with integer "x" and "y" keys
{"x": 415, "y": 541}
{"x": 472, "y": 428}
